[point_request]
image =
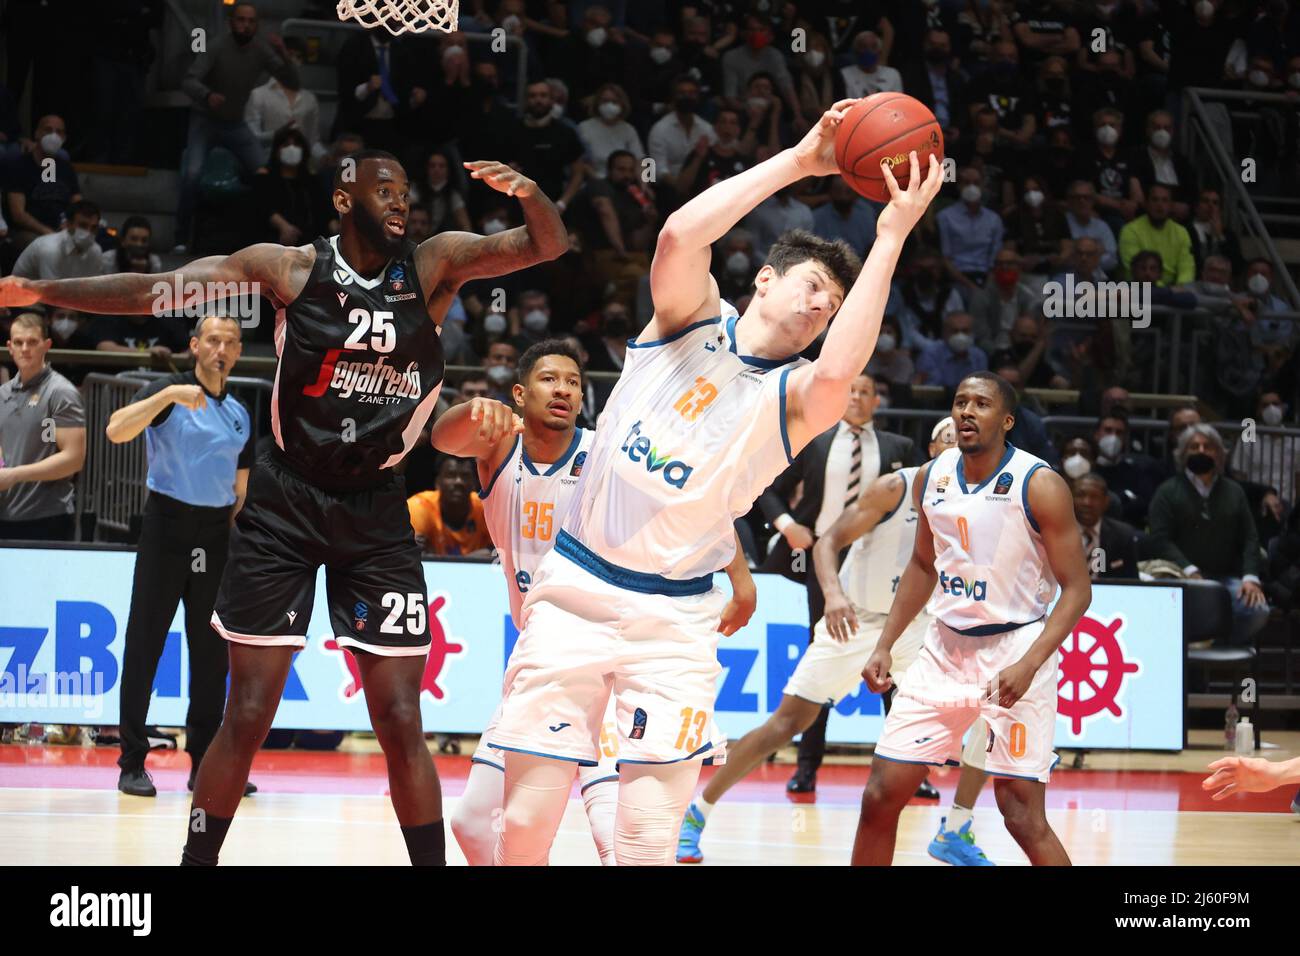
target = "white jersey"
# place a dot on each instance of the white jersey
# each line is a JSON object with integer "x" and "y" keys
{"x": 526, "y": 503}
{"x": 691, "y": 436}
{"x": 875, "y": 562}
{"x": 993, "y": 569}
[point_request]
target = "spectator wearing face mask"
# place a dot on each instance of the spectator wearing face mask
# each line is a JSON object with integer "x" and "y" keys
{"x": 1270, "y": 460}
{"x": 547, "y": 148}
{"x": 735, "y": 264}
{"x": 730, "y": 154}
{"x": 947, "y": 362}
{"x": 1131, "y": 475}
{"x": 937, "y": 83}
{"x": 607, "y": 130}
{"x": 922, "y": 297}
{"x": 288, "y": 206}
{"x": 533, "y": 319}
{"x": 1077, "y": 458}
{"x": 970, "y": 234}
{"x": 1029, "y": 340}
{"x": 1206, "y": 520}
{"x": 1038, "y": 230}
{"x": 1208, "y": 235}
{"x": 440, "y": 196}
{"x": 1004, "y": 298}
{"x": 37, "y": 201}
{"x": 69, "y": 329}
{"x": 1156, "y": 162}
{"x": 1156, "y": 232}
{"x": 1110, "y": 170}
{"x": 608, "y": 349}
{"x": 1002, "y": 90}
{"x": 70, "y": 253}
{"x": 818, "y": 85}
{"x": 596, "y": 51}
{"x": 673, "y": 137}
{"x": 134, "y": 238}
{"x": 1200, "y": 36}
{"x": 1259, "y": 285}
{"x": 868, "y": 74}
{"x": 273, "y": 105}
{"x": 500, "y": 359}
{"x": 617, "y": 217}
{"x": 758, "y": 55}
{"x": 1082, "y": 221}
{"x": 891, "y": 362}
{"x": 1054, "y": 96}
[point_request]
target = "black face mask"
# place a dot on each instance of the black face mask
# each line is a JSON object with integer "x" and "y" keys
{"x": 1200, "y": 464}
{"x": 686, "y": 104}
{"x": 936, "y": 56}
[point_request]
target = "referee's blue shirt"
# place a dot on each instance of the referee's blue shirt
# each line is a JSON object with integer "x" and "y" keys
{"x": 193, "y": 455}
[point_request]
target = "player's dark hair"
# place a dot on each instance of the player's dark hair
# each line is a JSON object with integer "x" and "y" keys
{"x": 536, "y": 352}
{"x": 359, "y": 157}
{"x": 799, "y": 245}
{"x": 1008, "y": 394}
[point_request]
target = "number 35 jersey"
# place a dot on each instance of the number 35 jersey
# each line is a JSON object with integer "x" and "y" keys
{"x": 360, "y": 369}
{"x": 525, "y": 503}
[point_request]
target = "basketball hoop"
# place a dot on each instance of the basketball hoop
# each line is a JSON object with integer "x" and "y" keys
{"x": 402, "y": 16}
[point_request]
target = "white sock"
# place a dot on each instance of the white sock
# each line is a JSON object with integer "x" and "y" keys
{"x": 703, "y": 806}
{"x": 957, "y": 818}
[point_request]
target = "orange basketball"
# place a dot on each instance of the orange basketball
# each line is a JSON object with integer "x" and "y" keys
{"x": 885, "y": 127}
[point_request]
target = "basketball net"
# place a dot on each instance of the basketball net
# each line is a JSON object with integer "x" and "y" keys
{"x": 402, "y": 16}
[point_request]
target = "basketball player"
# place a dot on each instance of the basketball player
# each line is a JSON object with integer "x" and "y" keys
{"x": 996, "y": 532}
{"x": 706, "y": 413}
{"x": 360, "y": 368}
{"x": 878, "y": 530}
{"x": 529, "y": 482}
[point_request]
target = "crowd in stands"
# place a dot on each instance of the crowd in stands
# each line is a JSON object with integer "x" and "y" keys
{"x": 1061, "y": 115}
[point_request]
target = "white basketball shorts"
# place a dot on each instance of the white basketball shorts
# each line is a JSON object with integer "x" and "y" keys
{"x": 830, "y": 670}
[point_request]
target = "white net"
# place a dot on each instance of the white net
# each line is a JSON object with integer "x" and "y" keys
{"x": 402, "y": 16}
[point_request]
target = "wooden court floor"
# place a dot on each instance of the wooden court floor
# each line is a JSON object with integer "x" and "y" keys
{"x": 59, "y": 806}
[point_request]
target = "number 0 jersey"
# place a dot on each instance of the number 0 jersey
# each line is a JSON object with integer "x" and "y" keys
{"x": 525, "y": 503}
{"x": 992, "y": 565}
{"x": 690, "y": 437}
{"x": 360, "y": 369}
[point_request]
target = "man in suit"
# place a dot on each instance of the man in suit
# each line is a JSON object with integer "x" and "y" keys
{"x": 379, "y": 87}
{"x": 1111, "y": 547}
{"x": 834, "y": 469}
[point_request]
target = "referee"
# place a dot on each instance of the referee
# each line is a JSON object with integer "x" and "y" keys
{"x": 200, "y": 450}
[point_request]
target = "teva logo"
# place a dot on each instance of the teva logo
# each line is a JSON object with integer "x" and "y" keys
{"x": 974, "y": 590}
{"x": 640, "y": 449}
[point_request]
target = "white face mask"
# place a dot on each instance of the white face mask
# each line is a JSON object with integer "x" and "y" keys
{"x": 886, "y": 343}
{"x": 512, "y": 24}
{"x": 493, "y": 226}
{"x": 960, "y": 341}
{"x": 1272, "y": 414}
{"x": 1258, "y": 283}
{"x": 1033, "y": 198}
{"x": 535, "y": 320}
{"x": 1258, "y": 78}
{"x": 82, "y": 239}
{"x": 1107, "y": 135}
{"x": 1076, "y": 465}
{"x": 500, "y": 375}
{"x": 64, "y": 327}
{"x": 50, "y": 143}
{"x": 597, "y": 37}
{"x": 1161, "y": 139}
{"x": 1204, "y": 9}
{"x": 494, "y": 323}
{"x": 757, "y": 102}
{"x": 738, "y": 263}
{"x": 1110, "y": 446}
{"x": 290, "y": 155}
{"x": 609, "y": 110}
{"x": 971, "y": 193}
{"x": 660, "y": 55}
{"x": 816, "y": 58}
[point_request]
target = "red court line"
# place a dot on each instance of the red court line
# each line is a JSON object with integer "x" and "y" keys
{"x": 838, "y": 785}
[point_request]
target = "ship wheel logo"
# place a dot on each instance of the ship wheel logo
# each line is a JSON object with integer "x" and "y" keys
{"x": 1093, "y": 649}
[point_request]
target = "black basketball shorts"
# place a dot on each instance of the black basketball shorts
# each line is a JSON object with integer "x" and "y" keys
{"x": 287, "y": 529}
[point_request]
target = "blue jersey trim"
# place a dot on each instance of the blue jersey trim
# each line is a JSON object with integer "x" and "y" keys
{"x": 560, "y": 462}
{"x": 639, "y": 581}
{"x": 703, "y": 750}
{"x": 785, "y": 427}
{"x": 487, "y": 763}
{"x": 988, "y": 630}
{"x": 1024, "y": 495}
{"x": 537, "y": 753}
{"x": 600, "y": 780}
{"x": 482, "y": 495}
{"x": 634, "y": 344}
{"x": 961, "y": 472}
{"x": 752, "y": 359}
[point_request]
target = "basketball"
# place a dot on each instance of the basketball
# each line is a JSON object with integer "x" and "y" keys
{"x": 885, "y": 127}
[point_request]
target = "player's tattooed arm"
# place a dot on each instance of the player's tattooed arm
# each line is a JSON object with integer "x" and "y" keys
{"x": 452, "y": 258}
{"x": 882, "y": 496}
{"x": 277, "y": 272}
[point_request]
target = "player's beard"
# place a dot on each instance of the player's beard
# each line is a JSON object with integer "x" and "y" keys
{"x": 373, "y": 233}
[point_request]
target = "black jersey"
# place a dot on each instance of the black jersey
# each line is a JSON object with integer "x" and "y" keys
{"x": 360, "y": 369}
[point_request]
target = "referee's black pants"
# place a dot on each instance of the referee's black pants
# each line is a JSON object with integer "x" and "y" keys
{"x": 181, "y": 555}
{"x": 812, "y": 745}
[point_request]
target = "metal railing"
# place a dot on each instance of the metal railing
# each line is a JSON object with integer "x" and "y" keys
{"x": 1200, "y": 139}
{"x": 111, "y": 485}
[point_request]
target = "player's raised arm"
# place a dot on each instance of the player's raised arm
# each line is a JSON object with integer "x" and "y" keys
{"x": 820, "y": 391}
{"x": 881, "y": 497}
{"x": 457, "y": 257}
{"x": 275, "y": 271}
{"x": 680, "y": 284}
{"x": 481, "y": 428}
{"x": 1052, "y": 508}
